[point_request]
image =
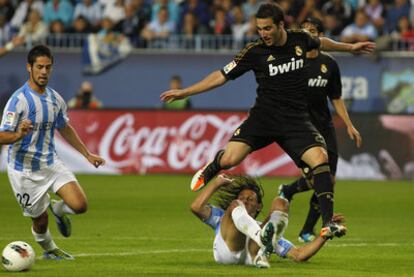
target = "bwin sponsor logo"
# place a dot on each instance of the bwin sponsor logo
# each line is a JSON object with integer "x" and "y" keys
{"x": 285, "y": 67}
{"x": 317, "y": 82}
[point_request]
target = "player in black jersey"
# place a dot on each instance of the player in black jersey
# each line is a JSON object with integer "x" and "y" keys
{"x": 280, "y": 114}
{"x": 324, "y": 81}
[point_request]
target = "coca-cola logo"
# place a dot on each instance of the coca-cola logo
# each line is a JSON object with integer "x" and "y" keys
{"x": 189, "y": 144}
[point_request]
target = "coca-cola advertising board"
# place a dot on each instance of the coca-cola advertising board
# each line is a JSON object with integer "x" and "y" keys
{"x": 156, "y": 141}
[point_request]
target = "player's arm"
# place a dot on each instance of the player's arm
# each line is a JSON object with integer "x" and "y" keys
{"x": 70, "y": 135}
{"x": 199, "y": 206}
{"x": 305, "y": 252}
{"x": 365, "y": 47}
{"x": 213, "y": 80}
{"x": 341, "y": 110}
{"x": 23, "y": 129}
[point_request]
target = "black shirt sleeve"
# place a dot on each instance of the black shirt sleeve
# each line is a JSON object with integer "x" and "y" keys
{"x": 240, "y": 65}
{"x": 335, "y": 87}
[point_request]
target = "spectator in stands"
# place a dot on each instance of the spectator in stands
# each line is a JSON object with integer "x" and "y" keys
{"x": 22, "y": 12}
{"x": 34, "y": 30}
{"x": 250, "y": 8}
{"x": 399, "y": 9}
{"x": 182, "y": 104}
{"x": 340, "y": 9}
{"x": 309, "y": 10}
{"x": 81, "y": 26}
{"x": 162, "y": 27}
{"x": 219, "y": 25}
{"x": 5, "y": 29}
{"x": 89, "y": 10}
{"x": 85, "y": 99}
{"x": 361, "y": 30}
{"x": 173, "y": 9}
{"x": 130, "y": 25}
{"x": 375, "y": 11}
{"x": 6, "y": 9}
{"x": 191, "y": 26}
{"x": 57, "y": 27}
{"x": 405, "y": 34}
{"x": 199, "y": 8}
{"x": 115, "y": 11}
{"x": 239, "y": 27}
{"x": 9, "y": 46}
{"x": 332, "y": 27}
{"x": 58, "y": 10}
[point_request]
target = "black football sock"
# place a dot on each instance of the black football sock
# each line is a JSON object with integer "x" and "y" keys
{"x": 324, "y": 190}
{"x": 297, "y": 186}
{"x": 313, "y": 215}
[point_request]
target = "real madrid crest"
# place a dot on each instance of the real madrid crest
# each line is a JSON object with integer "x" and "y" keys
{"x": 298, "y": 51}
{"x": 237, "y": 132}
{"x": 324, "y": 69}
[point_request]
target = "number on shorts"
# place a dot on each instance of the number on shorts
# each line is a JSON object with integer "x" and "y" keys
{"x": 23, "y": 199}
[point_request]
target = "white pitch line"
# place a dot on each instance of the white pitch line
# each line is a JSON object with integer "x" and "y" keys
{"x": 133, "y": 253}
{"x": 168, "y": 251}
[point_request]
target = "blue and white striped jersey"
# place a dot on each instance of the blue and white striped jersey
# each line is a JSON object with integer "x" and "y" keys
{"x": 46, "y": 111}
{"x": 214, "y": 221}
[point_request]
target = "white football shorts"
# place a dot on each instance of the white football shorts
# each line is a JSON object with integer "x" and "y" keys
{"x": 223, "y": 255}
{"x": 31, "y": 188}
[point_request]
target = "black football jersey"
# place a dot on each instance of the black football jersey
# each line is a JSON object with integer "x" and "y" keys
{"x": 281, "y": 74}
{"x": 324, "y": 81}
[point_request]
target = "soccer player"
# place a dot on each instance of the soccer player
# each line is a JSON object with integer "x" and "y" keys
{"x": 239, "y": 238}
{"x": 29, "y": 121}
{"x": 324, "y": 82}
{"x": 280, "y": 114}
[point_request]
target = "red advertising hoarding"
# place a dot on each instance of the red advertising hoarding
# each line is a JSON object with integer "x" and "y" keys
{"x": 170, "y": 142}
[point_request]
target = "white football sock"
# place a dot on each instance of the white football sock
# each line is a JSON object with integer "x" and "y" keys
{"x": 246, "y": 224}
{"x": 44, "y": 240}
{"x": 280, "y": 220}
{"x": 60, "y": 208}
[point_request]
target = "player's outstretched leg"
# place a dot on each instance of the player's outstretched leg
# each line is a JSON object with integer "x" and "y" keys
{"x": 73, "y": 202}
{"x": 207, "y": 173}
{"x": 43, "y": 237}
{"x": 279, "y": 217}
{"x": 307, "y": 234}
{"x": 287, "y": 191}
{"x": 59, "y": 211}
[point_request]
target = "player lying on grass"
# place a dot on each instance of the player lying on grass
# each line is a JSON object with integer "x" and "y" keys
{"x": 239, "y": 238}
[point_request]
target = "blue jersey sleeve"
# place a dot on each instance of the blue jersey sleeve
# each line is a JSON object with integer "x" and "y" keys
{"x": 62, "y": 118}
{"x": 283, "y": 247}
{"x": 11, "y": 115}
{"x": 215, "y": 218}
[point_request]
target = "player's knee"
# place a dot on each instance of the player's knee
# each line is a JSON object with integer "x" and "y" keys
{"x": 80, "y": 207}
{"x": 280, "y": 204}
{"x": 229, "y": 160}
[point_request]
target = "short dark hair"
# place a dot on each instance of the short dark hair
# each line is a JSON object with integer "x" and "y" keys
{"x": 315, "y": 22}
{"x": 39, "y": 51}
{"x": 273, "y": 11}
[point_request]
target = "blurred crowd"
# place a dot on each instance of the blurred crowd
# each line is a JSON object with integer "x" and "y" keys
{"x": 143, "y": 21}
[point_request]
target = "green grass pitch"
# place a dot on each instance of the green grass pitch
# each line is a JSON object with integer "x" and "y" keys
{"x": 142, "y": 226}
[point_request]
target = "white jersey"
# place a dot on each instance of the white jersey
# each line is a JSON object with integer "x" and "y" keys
{"x": 46, "y": 111}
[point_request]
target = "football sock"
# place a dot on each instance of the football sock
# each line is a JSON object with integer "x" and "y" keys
{"x": 324, "y": 191}
{"x": 297, "y": 186}
{"x": 44, "y": 240}
{"x": 313, "y": 215}
{"x": 280, "y": 220}
{"x": 60, "y": 208}
{"x": 246, "y": 224}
